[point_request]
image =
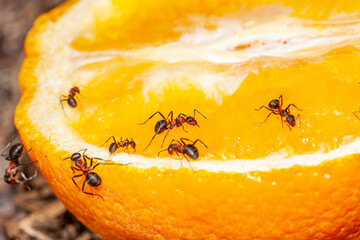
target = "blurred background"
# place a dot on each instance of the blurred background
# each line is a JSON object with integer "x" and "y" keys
{"x": 35, "y": 214}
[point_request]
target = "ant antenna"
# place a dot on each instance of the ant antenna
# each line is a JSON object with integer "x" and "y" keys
{"x": 161, "y": 151}
{"x": 199, "y": 113}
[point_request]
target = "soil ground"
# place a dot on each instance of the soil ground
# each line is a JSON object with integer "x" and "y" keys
{"x": 35, "y": 214}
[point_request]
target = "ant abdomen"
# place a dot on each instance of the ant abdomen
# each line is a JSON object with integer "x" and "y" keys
{"x": 93, "y": 179}
{"x": 112, "y": 148}
{"x": 16, "y": 151}
{"x": 72, "y": 102}
{"x": 291, "y": 120}
{"x": 191, "y": 151}
{"x": 160, "y": 126}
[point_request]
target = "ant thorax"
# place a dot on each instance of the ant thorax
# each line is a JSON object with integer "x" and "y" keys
{"x": 180, "y": 121}
{"x": 284, "y": 113}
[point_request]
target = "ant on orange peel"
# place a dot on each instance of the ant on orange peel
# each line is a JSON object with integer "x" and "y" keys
{"x": 185, "y": 149}
{"x": 13, "y": 170}
{"x": 81, "y": 163}
{"x": 275, "y": 107}
{"x": 168, "y": 124}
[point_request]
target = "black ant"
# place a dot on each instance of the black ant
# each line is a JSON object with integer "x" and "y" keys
{"x": 115, "y": 145}
{"x": 168, "y": 124}
{"x": 275, "y": 107}
{"x": 70, "y": 99}
{"x": 12, "y": 170}
{"x": 185, "y": 149}
{"x": 91, "y": 178}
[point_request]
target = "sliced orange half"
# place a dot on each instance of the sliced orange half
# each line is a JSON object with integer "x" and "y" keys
{"x": 259, "y": 175}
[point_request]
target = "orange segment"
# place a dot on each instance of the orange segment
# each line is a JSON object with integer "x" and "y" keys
{"x": 225, "y": 59}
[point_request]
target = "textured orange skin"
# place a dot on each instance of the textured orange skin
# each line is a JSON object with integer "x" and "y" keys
{"x": 318, "y": 202}
{"x": 295, "y": 203}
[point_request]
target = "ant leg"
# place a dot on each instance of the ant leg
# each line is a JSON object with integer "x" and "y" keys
{"x": 153, "y": 116}
{"x": 86, "y": 157}
{"x": 94, "y": 194}
{"x": 63, "y": 98}
{"x": 298, "y": 117}
{"x": 281, "y": 100}
{"x": 179, "y": 158}
{"x": 127, "y": 146}
{"x": 76, "y": 177}
{"x": 27, "y": 179}
{"x": 291, "y": 104}
{"x": 24, "y": 181}
{"x": 26, "y": 163}
{"x": 150, "y": 141}
{"x": 288, "y": 125}
{"x": 263, "y": 107}
{"x": 162, "y": 144}
{"x": 96, "y": 166}
{"x": 182, "y": 114}
{"x": 170, "y": 114}
{"x": 74, "y": 168}
{"x": 272, "y": 112}
{"x": 7, "y": 146}
{"x": 182, "y": 141}
{"x": 184, "y": 127}
{"x": 199, "y": 113}
{"x": 108, "y": 140}
{"x": 353, "y": 113}
{"x": 91, "y": 160}
{"x": 78, "y": 99}
{"x": 28, "y": 150}
{"x": 189, "y": 163}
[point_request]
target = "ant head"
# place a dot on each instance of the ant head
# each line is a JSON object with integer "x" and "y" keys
{"x": 274, "y": 104}
{"x": 171, "y": 148}
{"x": 7, "y": 179}
{"x": 76, "y": 89}
{"x": 291, "y": 120}
{"x": 191, "y": 121}
{"x": 132, "y": 144}
{"x": 75, "y": 156}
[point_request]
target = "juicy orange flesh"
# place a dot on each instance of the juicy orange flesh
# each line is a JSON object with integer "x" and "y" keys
{"x": 133, "y": 24}
{"x": 325, "y": 89}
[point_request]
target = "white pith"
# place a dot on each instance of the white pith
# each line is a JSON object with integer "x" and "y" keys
{"x": 297, "y": 39}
